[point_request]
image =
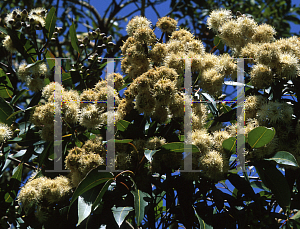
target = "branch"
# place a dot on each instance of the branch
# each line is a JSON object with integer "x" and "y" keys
{"x": 18, "y": 161}
{"x": 90, "y": 8}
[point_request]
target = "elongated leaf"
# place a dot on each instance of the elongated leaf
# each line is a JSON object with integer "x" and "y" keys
{"x": 6, "y": 88}
{"x": 85, "y": 202}
{"x": 92, "y": 179}
{"x": 149, "y": 154}
{"x": 296, "y": 216}
{"x": 178, "y": 147}
{"x": 274, "y": 180}
{"x": 211, "y": 103}
{"x": 140, "y": 203}
{"x": 234, "y": 83}
{"x": 50, "y": 22}
{"x": 18, "y": 96}
{"x": 258, "y": 184}
{"x": 241, "y": 184}
{"x": 101, "y": 194}
{"x": 122, "y": 125}
{"x": 260, "y": 136}
{"x": 203, "y": 225}
{"x": 284, "y": 158}
{"x": 120, "y": 214}
{"x": 123, "y": 140}
{"x": 5, "y": 111}
{"x": 74, "y": 41}
{"x": 15, "y": 182}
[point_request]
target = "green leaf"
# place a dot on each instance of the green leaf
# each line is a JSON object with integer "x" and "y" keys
{"x": 259, "y": 184}
{"x": 92, "y": 179}
{"x": 6, "y": 88}
{"x": 15, "y": 180}
{"x": 123, "y": 140}
{"x": 274, "y": 180}
{"x": 17, "y": 96}
{"x": 218, "y": 43}
{"x": 260, "y": 136}
{"x": 120, "y": 214}
{"x": 203, "y": 225}
{"x": 5, "y": 111}
{"x": 296, "y": 216}
{"x": 178, "y": 147}
{"x": 66, "y": 79}
{"x": 85, "y": 202}
{"x": 241, "y": 184}
{"x": 149, "y": 154}
{"x": 122, "y": 125}
{"x": 284, "y": 158}
{"x": 181, "y": 138}
{"x": 140, "y": 203}
{"x": 101, "y": 194}
{"x": 74, "y": 41}
{"x": 50, "y": 22}
{"x": 230, "y": 144}
{"x": 17, "y": 172}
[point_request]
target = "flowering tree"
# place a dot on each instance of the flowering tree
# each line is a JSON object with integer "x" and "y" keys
{"x": 148, "y": 187}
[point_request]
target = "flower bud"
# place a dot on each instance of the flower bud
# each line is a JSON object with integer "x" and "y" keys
{"x": 24, "y": 13}
{"x": 18, "y": 17}
{"x": 97, "y": 31}
{"x": 86, "y": 40}
{"x": 11, "y": 21}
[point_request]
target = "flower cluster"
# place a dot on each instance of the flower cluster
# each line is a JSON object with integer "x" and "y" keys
{"x": 37, "y": 194}
{"x": 33, "y": 75}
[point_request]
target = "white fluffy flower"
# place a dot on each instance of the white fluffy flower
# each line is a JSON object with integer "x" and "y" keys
{"x": 5, "y": 132}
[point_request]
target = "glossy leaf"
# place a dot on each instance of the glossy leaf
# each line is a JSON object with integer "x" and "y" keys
{"x": 74, "y": 41}
{"x": 92, "y": 179}
{"x": 230, "y": 144}
{"x": 16, "y": 180}
{"x": 85, "y": 202}
{"x": 259, "y": 184}
{"x": 120, "y": 214}
{"x": 101, "y": 194}
{"x": 122, "y": 125}
{"x": 5, "y": 111}
{"x": 50, "y": 22}
{"x": 6, "y": 88}
{"x": 241, "y": 184}
{"x": 18, "y": 96}
{"x": 149, "y": 154}
{"x": 140, "y": 203}
{"x": 178, "y": 147}
{"x": 218, "y": 43}
{"x": 274, "y": 180}
{"x": 123, "y": 140}
{"x": 260, "y": 136}
{"x": 211, "y": 103}
{"x": 203, "y": 225}
{"x": 284, "y": 158}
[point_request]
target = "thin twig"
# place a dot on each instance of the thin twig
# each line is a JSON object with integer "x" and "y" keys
{"x": 18, "y": 161}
